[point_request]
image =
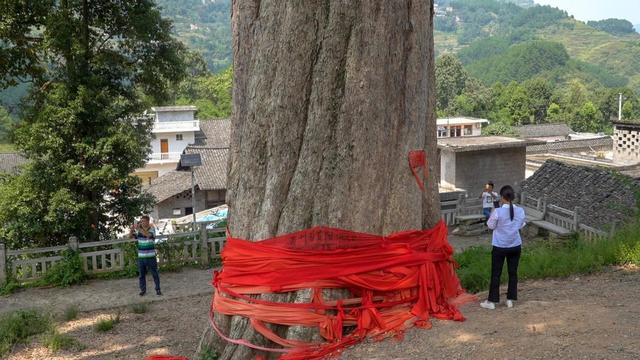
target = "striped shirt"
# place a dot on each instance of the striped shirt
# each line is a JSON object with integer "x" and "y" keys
{"x": 146, "y": 243}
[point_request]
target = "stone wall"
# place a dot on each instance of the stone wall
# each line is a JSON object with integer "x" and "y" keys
{"x": 502, "y": 166}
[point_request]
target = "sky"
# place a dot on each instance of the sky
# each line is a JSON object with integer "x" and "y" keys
{"x": 598, "y": 9}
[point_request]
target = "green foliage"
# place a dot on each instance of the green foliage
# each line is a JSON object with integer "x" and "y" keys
{"x": 70, "y": 313}
{"x": 6, "y": 125}
{"x": 203, "y": 25}
{"x": 140, "y": 308}
{"x": 16, "y": 327}
{"x": 68, "y": 271}
{"x": 208, "y": 354}
{"x": 55, "y": 341}
{"x": 544, "y": 260}
{"x": 613, "y": 26}
{"x": 520, "y": 62}
{"x": 9, "y": 287}
{"x": 105, "y": 325}
{"x": 499, "y": 129}
{"x": 451, "y": 78}
{"x": 81, "y": 129}
{"x": 211, "y": 93}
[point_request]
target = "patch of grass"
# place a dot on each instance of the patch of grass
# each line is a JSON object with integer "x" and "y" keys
{"x": 105, "y": 325}
{"x": 140, "y": 308}
{"x": 208, "y": 354}
{"x": 547, "y": 260}
{"x": 56, "y": 341}
{"x": 70, "y": 313}
{"x": 9, "y": 287}
{"x": 18, "y": 326}
{"x": 7, "y": 148}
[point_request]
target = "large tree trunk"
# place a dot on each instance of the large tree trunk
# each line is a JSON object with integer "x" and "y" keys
{"x": 329, "y": 97}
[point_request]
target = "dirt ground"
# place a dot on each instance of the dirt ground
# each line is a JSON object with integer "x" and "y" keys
{"x": 592, "y": 317}
{"x": 585, "y": 317}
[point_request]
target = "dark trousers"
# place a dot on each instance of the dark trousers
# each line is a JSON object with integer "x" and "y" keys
{"x": 497, "y": 260}
{"x": 152, "y": 265}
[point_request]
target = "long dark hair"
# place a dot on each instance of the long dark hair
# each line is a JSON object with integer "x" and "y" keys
{"x": 508, "y": 194}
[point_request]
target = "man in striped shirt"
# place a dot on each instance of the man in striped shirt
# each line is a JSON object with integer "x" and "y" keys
{"x": 145, "y": 233}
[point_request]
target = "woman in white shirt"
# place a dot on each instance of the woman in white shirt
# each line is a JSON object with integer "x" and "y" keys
{"x": 506, "y": 222}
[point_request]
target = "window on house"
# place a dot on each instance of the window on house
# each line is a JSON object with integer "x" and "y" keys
{"x": 188, "y": 211}
{"x": 178, "y": 137}
{"x": 442, "y": 132}
{"x": 468, "y": 130}
{"x": 177, "y": 211}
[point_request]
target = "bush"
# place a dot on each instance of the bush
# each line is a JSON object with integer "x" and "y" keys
{"x": 67, "y": 271}
{"x": 545, "y": 260}
{"x": 17, "y": 326}
{"x": 105, "y": 325}
{"x": 140, "y": 308}
{"x": 9, "y": 287}
{"x": 71, "y": 313}
{"x": 56, "y": 341}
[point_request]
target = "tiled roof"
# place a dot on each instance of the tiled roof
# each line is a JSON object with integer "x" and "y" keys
{"x": 214, "y": 133}
{"x": 212, "y": 175}
{"x": 544, "y": 130}
{"x": 169, "y": 184}
{"x": 603, "y": 197}
{"x": 11, "y": 162}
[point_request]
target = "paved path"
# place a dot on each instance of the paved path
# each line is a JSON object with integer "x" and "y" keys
{"x": 105, "y": 294}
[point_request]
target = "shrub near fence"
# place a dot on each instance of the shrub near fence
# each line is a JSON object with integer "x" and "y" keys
{"x": 118, "y": 256}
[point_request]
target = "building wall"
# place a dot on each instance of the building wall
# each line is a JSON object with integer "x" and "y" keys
{"x": 175, "y": 146}
{"x": 175, "y": 116}
{"x": 156, "y": 168}
{"x": 626, "y": 144}
{"x": 447, "y": 168}
{"x": 164, "y": 209}
{"x": 215, "y": 198}
{"x": 473, "y": 169}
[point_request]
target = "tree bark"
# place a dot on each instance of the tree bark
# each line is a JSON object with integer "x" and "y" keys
{"x": 329, "y": 97}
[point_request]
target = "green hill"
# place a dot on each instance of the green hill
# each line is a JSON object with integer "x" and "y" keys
{"x": 486, "y": 32}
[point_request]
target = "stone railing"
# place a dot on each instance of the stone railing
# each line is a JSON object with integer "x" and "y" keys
{"x": 194, "y": 247}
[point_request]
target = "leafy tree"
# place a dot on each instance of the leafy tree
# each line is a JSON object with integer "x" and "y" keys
{"x": 628, "y": 111}
{"x": 211, "y": 93}
{"x": 539, "y": 92}
{"x": 587, "y": 119}
{"x": 512, "y": 105}
{"x": 90, "y": 62}
{"x": 451, "y": 79}
{"x": 554, "y": 113}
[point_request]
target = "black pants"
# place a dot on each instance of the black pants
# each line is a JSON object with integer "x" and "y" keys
{"x": 497, "y": 260}
{"x": 152, "y": 265}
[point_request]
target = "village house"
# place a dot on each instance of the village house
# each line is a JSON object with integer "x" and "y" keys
{"x": 172, "y": 190}
{"x": 467, "y": 163}
{"x": 459, "y": 126}
{"x": 174, "y": 128}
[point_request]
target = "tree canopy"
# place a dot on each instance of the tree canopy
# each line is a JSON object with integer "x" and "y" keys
{"x": 92, "y": 63}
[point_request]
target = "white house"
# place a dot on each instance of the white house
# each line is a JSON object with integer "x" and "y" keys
{"x": 460, "y": 126}
{"x": 174, "y": 128}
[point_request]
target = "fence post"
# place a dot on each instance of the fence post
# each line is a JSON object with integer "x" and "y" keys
{"x": 576, "y": 218}
{"x": 204, "y": 247}
{"x": 3, "y": 263}
{"x": 73, "y": 243}
{"x": 523, "y": 197}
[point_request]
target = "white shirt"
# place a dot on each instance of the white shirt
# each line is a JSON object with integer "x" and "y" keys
{"x": 487, "y": 199}
{"x": 506, "y": 232}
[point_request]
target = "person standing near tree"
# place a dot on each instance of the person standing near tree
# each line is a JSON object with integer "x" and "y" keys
{"x": 489, "y": 198}
{"x": 506, "y": 222}
{"x": 145, "y": 233}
